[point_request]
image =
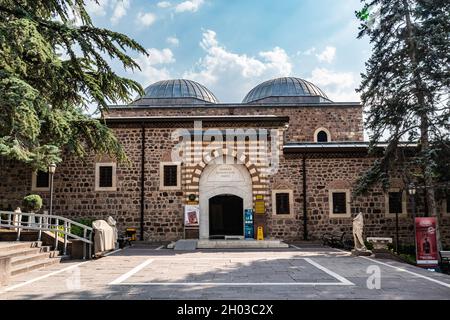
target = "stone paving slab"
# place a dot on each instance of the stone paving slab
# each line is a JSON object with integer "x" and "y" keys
{"x": 237, "y": 268}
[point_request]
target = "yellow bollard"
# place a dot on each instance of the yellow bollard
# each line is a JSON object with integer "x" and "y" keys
{"x": 260, "y": 234}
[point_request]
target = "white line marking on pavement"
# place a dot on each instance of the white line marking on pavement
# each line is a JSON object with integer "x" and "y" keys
{"x": 110, "y": 253}
{"x": 232, "y": 284}
{"x": 159, "y": 248}
{"x": 331, "y": 273}
{"x": 295, "y": 247}
{"x": 131, "y": 272}
{"x": 343, "y": 281}
{"x": 40, "y": 278}
{"x": 410, "y": 272}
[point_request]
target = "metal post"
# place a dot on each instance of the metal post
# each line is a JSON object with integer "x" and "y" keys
{"x": 19, "y": 224}
{"x": 84, "y": 245}
{"x": 90, "y": 245}
{"x": 56, "y": 234}
{"x": 396, "y": 232}
{"x": 40, "y": 229}
{"x": 51, "y": 193}
{"x": 65, "y": 237}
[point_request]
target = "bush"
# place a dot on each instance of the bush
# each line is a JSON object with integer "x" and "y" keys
{"x": 60, "y": 227}
{"x": 391, "y": 246}
{"x": 78, "y": 231}
{"x": 32, "y": 203}
{"x": 409, "y": 258}
{"x": 408, "y": 249}
{"x": 369, "y": 245}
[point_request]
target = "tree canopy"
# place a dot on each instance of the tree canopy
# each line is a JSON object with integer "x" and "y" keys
{"x": 406, "y": 89}
{"x": 53, "y": 65}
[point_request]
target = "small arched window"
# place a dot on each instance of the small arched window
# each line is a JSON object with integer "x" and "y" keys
{"x": 322, "y": 136}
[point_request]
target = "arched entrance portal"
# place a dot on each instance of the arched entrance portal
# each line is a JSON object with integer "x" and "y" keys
{"x": 225, "y": 216}
{"x": 222, "y": 183}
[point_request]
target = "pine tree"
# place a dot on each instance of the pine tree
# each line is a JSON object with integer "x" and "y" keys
{"x": 53, "y": 64}
{"x": 405, "y": 88}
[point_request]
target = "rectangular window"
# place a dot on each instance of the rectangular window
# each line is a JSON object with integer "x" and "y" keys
{"x": 448, "y": 204}
{"x": 395, "y": 202}
{"x": 42, "y": 179}
{"x": 170, "y": 175}
{"x": 339, "y": 203}
{"x": 282, "y": 203}
{"x": 105, "y": 176}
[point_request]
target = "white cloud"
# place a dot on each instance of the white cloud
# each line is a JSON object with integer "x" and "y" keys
{"x": 146, "y": 19}
{"x": 308, "y": 52}
{"x": 277, "y": 59}
{"x": 190, "y": 5}
{"x": 164, "y": 4}
{"x": 120, "y": 10}
{"x": 152, "y": 66}
{"x": 97, "y": 9}
{"x": 339, "y": 86}
{"x": 231, "y": 75}
{"x": 327, "y": 55}
{"x": 173, "y": 41}
{"x": 163, "y": 56}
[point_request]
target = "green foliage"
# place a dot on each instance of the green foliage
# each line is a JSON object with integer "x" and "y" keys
{"x": 78, "y": 231}
{"x": 53, "y": 65}
{"x": 409, "y": 258}
{"x": 369, "y": 245}
{"x": 32, "y": 203}
{"x": 405, "y": 86}
{"x": 60, "y": 227}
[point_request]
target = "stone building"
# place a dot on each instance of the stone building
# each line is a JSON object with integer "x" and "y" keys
{"x": 287, "y": 153}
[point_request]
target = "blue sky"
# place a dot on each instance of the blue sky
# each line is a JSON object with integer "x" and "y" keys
{"x": 232, "y": 45}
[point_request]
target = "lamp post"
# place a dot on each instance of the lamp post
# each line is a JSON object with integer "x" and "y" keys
{"x": 51, "y": 171}
{"x": 412, "y": 193}
{"x": 396, "y": 231}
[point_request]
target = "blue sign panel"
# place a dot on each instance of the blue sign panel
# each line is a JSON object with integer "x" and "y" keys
{"x": 248, "y": 224}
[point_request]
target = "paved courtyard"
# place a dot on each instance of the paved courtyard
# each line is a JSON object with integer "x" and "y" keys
{"x": 294, "y": 273}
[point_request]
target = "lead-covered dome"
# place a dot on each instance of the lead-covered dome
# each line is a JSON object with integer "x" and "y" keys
{"x": 177, "y": 91}
{"x": 286, "y": 90}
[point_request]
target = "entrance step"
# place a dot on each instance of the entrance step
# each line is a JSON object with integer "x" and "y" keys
{"x": 26, "y": 256}
{"x": 241, "y": 244}
{"x": 185, "y": 245}
{"x": 8, "y": 246}
{"x": 36, "y": 264}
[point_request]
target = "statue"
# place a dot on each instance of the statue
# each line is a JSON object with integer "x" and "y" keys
{"x": 358, "y": 228}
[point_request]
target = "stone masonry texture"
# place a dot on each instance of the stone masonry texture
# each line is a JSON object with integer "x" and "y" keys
{"x": 75, "y": 195}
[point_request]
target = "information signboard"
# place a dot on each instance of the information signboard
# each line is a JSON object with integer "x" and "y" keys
{"x": 248, "y": 224}
{"x": 426, "y": 242}
{"x": 191, "y": 215}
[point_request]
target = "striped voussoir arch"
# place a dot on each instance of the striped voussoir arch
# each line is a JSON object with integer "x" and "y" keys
{"x": 194, "y": 181}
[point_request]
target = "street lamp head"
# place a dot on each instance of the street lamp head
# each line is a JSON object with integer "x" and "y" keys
{"x": 52, "y": 168}
{"x": 412, "y": 189}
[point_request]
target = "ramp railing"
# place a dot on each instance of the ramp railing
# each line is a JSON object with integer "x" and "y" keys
{"x": 19, "y": 221}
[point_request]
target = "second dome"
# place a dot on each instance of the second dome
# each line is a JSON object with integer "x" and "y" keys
{"x": 287, "y": 89}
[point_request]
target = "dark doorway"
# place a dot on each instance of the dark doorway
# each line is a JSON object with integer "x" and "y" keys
{"x": 226, "y": 216}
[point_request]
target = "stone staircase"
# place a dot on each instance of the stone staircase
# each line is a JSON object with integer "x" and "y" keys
{"x": 29, "y": 255}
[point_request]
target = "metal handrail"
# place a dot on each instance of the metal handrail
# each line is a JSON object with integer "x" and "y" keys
{"x": 45, "y": 222}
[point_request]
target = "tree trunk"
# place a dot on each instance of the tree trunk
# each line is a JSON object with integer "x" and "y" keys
{"x": 424, "y": 124}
